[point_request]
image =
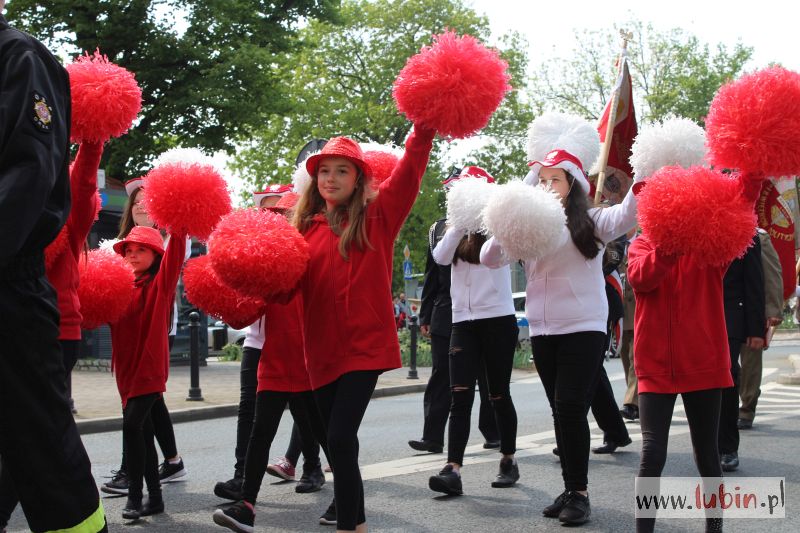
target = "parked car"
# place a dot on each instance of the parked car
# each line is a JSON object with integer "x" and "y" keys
{"x": 226, "y": 335}
{"x": 522, "y": 321}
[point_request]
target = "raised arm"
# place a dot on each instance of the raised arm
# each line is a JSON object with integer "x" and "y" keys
{"x": 612, "y": 222}
{"x": 492, "y": 254}
{"x": 444, "y": 251}
{"x": 172, "y": 263}
{"x": 83, "y": 180}
{"x": 647, "y": 266}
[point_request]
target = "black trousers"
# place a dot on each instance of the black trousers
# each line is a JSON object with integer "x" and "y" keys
{"x": 604, "y": 406}
{"x": 485, "y": 346}
{"x": 40, "y": 448}
{"x": 69, "y": 351}
{"x": 568, "y": 366}
{"x": 655, "y": 414}
{"x": 437, "y": 399}
{"x": 162, "y": 429}
{"x": 248, "y": 384}
{"x": 270, "y": 406}
{"x": 137, "y": 431}
{"x": 728, "y": 440}
{"x": 342, "y": 405}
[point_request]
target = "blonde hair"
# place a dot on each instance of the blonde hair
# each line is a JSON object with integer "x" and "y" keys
{"x": 347, "y": 220}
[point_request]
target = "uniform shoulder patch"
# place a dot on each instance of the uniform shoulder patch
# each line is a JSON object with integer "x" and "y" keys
{"x": 42, "y": 113}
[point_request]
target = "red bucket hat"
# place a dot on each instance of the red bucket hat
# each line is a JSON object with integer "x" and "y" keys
{"x": 340, "y": 147}
{"x": 143, "y": 235}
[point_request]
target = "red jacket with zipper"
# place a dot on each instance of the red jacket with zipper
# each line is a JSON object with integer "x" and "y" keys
{"x": 282, "y": 366}
{"x": 680, "y": 339}
{"x": 140, "y": 347}
{"x": 349, "y": 317}
{"x": 63, "y": 273}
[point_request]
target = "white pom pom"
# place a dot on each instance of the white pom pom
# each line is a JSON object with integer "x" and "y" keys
{"x": 676, "y": 141}
{"x": 528, "y": 222}
{"x": 108, "y": 244}
{"x": 562, "y": 131}
{"x": 185, "y": 156}
{"x": 465, "y": 203}
{"x": 301, "y": 179}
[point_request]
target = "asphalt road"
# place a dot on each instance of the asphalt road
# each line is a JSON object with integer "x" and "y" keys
{"x": 398, "y": 499}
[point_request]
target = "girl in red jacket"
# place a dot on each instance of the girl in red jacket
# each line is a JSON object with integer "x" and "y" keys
{"x": 140, "y": 356}
{"x": 347, "y": 292}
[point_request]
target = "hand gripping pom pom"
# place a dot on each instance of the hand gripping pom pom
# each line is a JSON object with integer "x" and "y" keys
{"x": 207, "y": 292}
{"x": 258, "y": 253}
{"x": 453, "y": 86}
{"x": 105, "y": 98}
{"x": 186, "y": 198}
{"x": 676, "y": 141}
{"x": 381, "y": 160}
{"x": 466, "y": 201}
{"x": 106, "y": 288}
{"x": 528, "y": 222}
{"x": 697, "y": 212}
{"x": 753, "y": 124}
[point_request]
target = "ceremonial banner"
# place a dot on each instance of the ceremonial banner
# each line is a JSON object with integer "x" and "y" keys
{"x": 777, "y": 209}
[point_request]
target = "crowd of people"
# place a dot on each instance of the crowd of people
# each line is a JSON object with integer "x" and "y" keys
{"x": 350, "y": 224}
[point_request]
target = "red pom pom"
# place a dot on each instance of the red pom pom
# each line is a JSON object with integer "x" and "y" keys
{"x": 105, "y": 98}
{"x": 106, "y": 288}
{"x": 753, "y": 124}
{"x": 683, "y": 210}
{"x": 207, "y": 292}
{"x": 258, "y": 253}
{"x": 381, "y": 163}
{"x": 186, "y": 198}
{"x": 453, "y": 86}
{"x": 56, "y": 248}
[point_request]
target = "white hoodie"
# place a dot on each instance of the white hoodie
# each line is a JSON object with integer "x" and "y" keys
{"x": 476, "y": 290}
{"x": 565, "y": 292}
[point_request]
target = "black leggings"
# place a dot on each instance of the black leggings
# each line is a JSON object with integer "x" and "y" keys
{"x": 161, "y": 424}
{"x": 137, "y": 432}
{"x": 655, "y": 415}
{"x": 568, "y": 366}
{"x": 484, "y": 346}
{"x": 270, "y": 406}
{"x": 248, "y": 384}
{"x": 729, "y": 405}
{"x": 342, "y": 405}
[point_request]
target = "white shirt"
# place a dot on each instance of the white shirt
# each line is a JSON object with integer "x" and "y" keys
{"x": 255, "y": 334}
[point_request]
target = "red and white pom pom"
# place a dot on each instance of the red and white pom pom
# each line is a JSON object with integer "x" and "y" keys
{"x": 258, "y": 253}
{"x": 105, "y": 98}
{"x": 452, "y": 86}
{"x": 466, "y": 201}
{"x": 106, "y": 288}
{"x": 186, "y": 198}
{"x": 382, "y": 159}
{"x": 753, "y": 124}
{"x": 208, "y": 293}
{"x": 57, "y": 247}
{"x": 528, "y": 222}
{"x": 698, "y": 212}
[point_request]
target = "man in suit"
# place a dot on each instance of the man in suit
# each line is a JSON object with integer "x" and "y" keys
{"x": 745, "y": 321}
{"x": 435, "y": 319}
{"x": 750, "y": 382}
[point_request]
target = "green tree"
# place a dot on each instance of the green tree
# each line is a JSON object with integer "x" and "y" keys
{"x": 673, "y": 73}
{"x": 209, "y": 69}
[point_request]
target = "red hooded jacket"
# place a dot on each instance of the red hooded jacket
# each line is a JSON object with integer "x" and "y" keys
{"x": 282, "y": 366}
{"x": 349, "y": 316}
{"x": 140, "y": 348}
{"x": 63, "y": 273}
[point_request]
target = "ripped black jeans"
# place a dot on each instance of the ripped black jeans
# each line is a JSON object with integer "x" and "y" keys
{"x": 482, "y": 346}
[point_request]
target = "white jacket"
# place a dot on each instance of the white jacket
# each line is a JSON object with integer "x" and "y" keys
{"x": 476, "y": 290}
{"x": 255, "y": 334}
{"x": 565, "y": 292}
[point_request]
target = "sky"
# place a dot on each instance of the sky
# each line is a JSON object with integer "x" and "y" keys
{"x": 771, "y": 27}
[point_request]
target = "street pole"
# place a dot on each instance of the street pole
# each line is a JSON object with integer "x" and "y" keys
{"x": 195, "y": 394}
{"x": 414, "y": 328}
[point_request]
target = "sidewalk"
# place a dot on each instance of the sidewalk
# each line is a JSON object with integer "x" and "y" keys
{"x": 99, "y": 408}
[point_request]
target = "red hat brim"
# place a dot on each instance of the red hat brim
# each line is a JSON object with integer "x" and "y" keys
{"x": 312, "y": 163}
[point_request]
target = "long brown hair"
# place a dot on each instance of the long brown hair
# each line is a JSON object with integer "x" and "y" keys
{"x": 348, "y": 220}
{"x": 126, "y": 223}
{"x": 469, "y": 249}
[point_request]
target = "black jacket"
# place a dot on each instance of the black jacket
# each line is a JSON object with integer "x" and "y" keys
{"x": 34, "y": 152}
{"x": 436, "y": 309}
{"x": 744, "y": 295}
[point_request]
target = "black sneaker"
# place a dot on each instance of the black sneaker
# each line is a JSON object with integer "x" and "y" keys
{"x": 237, "y": 517}
{"x": 426, "y": 446}
{"x": 169, "y": 472}
{"x": 118, "y": 483}
{"x": 554, "y": 509}
{"x": 154, "y": 504}
{"x": 328, "y": 518}
{"x": 576, "y": 510}
{"x": 312, "y": 480}
{"x": 231, "y": 489}
{"x": 132, "y": 509}
{"x": 491, "y": 444}
{"x": 447, "y": 481}
{"x": 729, "y": 461}
{"x": 508, "y": 474}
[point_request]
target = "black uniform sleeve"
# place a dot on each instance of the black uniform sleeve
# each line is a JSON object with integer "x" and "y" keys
{"x": 754, "y": 299}
{"x": 430, "y": 286}
{"x": 34, "y": 137}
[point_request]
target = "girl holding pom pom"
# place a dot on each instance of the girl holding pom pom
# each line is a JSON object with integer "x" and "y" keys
{"x": 566, "y": 302}
{"x": 350, "y": 228}
{"x": 140, "y": 356}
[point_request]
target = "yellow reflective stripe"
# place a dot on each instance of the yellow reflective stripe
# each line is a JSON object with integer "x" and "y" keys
{"x": 93, "y": 524}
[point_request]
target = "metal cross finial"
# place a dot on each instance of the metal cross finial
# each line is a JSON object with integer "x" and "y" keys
{"x": 626, "y": 35}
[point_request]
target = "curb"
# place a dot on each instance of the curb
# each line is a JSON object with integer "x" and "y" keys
{"x": 210, "y": 412}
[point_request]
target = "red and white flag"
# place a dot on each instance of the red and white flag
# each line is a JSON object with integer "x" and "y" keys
{"x": 776, "y": 209}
